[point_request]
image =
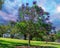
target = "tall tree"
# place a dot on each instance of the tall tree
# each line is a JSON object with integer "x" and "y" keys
{"x": 33, "y": 20}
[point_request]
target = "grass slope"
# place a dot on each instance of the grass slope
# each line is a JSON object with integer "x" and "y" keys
{"x": 12, "y": 43}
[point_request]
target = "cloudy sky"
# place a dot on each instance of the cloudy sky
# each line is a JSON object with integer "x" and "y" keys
{"x": 10, "y": 9}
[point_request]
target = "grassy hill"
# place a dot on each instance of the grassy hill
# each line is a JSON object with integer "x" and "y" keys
{"x": 12, "y": 43}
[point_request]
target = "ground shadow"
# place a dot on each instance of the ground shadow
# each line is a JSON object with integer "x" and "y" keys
{"x": 35, "y": 47}
{"x": 7, "y": 44}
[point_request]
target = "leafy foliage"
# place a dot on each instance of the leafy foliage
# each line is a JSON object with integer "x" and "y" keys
{"x": 1, "y": 2}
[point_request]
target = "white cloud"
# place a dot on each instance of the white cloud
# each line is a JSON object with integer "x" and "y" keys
{"x": 8, "y": 16}
{"x": 12, "y": 7}
{"x": 47, "y": 5}
{"x": 58, "y": 9}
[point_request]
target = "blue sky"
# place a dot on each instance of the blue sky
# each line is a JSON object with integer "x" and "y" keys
{"x": 10, "y": 9}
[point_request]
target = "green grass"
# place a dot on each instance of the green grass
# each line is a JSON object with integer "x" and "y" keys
{"x": 12, "y": 43}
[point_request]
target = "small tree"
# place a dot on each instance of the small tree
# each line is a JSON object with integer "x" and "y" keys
{"x": 13, "y": 28}
{"x": 3, "y": 29}
{"x": 1, "y": 2}
{"x": 58, "y": 35}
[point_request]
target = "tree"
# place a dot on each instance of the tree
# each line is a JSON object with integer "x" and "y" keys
{"x": 1, "y": 2}
{"x": 33, "y": 21}
{"x": 58, "y": 34}
{"x": 3, "y": 29}
{"x": 13, "y": 29}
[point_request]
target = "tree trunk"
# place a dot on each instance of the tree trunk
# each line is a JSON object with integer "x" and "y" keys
{"x": 1, "y": 35}
{"x": 25, "y": 36}
{"x": 31, "y": 37}
{"x": 12, "y": 36}
{"x": 29, "y": 40}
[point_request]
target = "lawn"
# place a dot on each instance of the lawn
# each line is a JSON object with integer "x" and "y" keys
{"x": 12, "y": 43}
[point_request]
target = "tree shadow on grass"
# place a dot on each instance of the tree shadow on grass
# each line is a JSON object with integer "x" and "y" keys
{"x": 7, "y": 44}
{"x": 53, "y": 43}
{"x": 43, "y": 46}
{"x": 35, "y": 47}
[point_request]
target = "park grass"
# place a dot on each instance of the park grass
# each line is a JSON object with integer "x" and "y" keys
{"x": 12, "y": 43}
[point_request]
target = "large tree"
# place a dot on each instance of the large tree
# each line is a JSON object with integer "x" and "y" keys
{"x": 33, "y": 20}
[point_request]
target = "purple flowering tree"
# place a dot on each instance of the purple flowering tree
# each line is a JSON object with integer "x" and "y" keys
{"x": 33, "y": 21}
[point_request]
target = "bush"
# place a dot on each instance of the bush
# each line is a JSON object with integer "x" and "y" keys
{"x": 38, "y": 39}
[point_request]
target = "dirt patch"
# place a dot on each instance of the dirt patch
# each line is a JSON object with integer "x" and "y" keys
{"x": 35, "y": 47}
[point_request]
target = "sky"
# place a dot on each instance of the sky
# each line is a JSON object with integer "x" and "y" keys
{"x": 10, "y": 9}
